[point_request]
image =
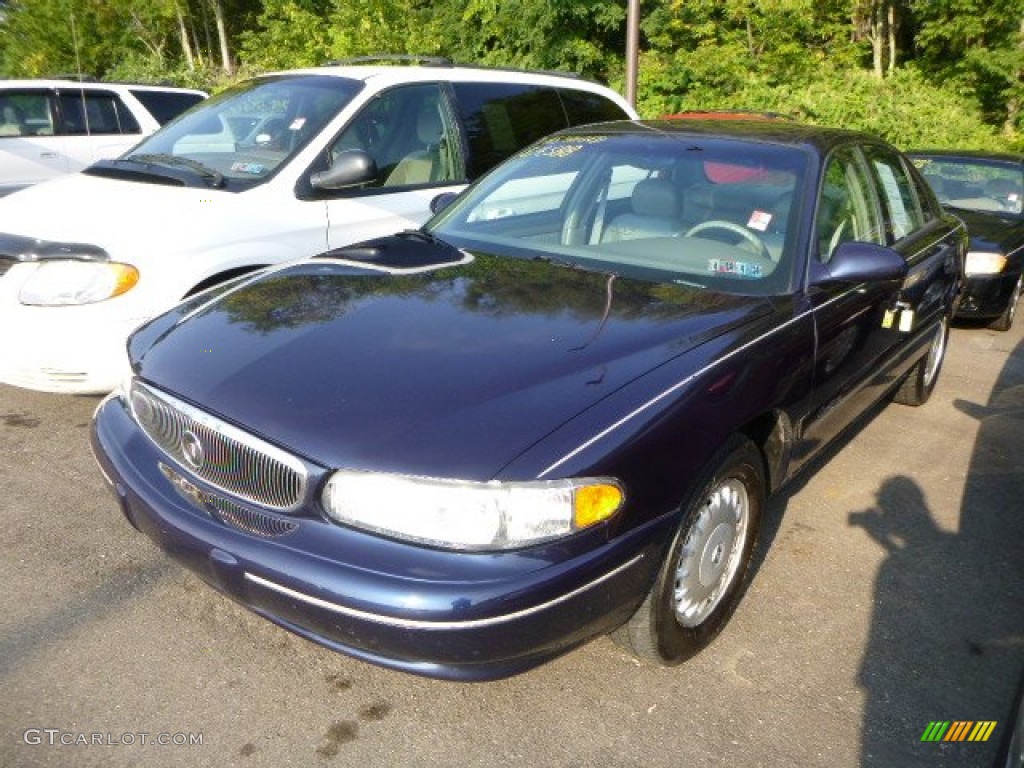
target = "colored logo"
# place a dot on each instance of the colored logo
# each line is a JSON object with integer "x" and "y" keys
{"x": 958, "y": 730}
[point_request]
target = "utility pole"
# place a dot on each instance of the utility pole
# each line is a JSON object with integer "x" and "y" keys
{"x": 632, "y": 48}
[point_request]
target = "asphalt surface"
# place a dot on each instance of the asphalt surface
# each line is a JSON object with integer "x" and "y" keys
{"x": 889, "y": 593}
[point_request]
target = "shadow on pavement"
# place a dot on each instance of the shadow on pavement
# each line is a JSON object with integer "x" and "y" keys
{"x": 947, "y": 631}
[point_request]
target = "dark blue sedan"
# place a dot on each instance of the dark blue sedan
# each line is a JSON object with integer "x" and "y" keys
{"x": 554, "y": 412}
{"x": 986, "y": 190}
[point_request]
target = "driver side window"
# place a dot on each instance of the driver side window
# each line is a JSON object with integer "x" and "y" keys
{"x": 847, "y": 207}
{"x": 409, "y": 134}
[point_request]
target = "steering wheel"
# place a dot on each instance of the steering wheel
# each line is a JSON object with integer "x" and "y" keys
{"x": 736, "y": 229}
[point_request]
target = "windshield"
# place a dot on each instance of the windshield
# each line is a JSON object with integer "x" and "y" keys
{"x": 245, "y": 133}
{"x": 699, "y": 211}
{"x": 975, "y": 184}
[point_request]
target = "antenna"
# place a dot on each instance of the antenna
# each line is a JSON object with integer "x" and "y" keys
{"x": 78, "y": 68}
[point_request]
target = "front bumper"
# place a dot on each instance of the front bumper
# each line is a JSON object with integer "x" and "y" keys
{"x": 75, "y": 350}
{"x": 986, "y": 296}
{"x": 458, "y": 616}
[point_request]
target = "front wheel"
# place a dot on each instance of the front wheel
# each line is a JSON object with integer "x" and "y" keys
{"x": 1005, "y": 321}
{"x": 918, "y": 386}
{"x": 701, "y": 580}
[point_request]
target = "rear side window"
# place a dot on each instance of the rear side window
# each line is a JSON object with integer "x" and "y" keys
{"x": 583, "y": 107}
{"x": 897, "y": 192}
{"x": 164, "y": 106}
{"x": 502, "y": 118}
{"x": 25, "y": 113}
{"x": 93, "y": 113}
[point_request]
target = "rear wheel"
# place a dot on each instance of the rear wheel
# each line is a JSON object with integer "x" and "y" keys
{"x": 918, "y": 385}
{"x": 701, "y": 580}
{"x": 1005, "y": 320}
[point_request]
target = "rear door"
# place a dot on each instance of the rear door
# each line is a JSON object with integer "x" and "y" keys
{"x": 917, "y": 230}
{"x": 96, "y": 125}
{"x": 31, "y": 149}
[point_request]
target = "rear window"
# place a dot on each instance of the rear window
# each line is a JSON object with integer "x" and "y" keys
{"x": 164, "y": 106}
{"x": 502, "y": 118}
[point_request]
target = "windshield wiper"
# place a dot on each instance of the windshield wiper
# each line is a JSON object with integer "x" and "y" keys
{"x": 213, "y": 177}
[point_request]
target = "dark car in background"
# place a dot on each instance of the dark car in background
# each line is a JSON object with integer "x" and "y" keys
{"x": 553, "y": 412}
{"x": 986, "y": 190}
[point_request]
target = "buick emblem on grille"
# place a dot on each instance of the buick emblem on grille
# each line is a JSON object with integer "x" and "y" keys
{"x": 192, "y": 450}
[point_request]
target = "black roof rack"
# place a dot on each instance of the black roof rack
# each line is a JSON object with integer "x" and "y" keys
{"x": 439, "y": 61}
{"x": 409, "y": 58}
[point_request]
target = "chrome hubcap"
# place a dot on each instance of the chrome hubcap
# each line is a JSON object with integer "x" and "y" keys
{"x": 931, "y": 366}
{"x": 711, "y": 554}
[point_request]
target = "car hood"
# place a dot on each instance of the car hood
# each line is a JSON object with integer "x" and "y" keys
{"x": 115, "y": 214}
{"x": 998, "y": 231}
{"x": 451, "y": 371}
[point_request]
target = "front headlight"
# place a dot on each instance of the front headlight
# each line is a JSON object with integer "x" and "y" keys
{"x": 60, "y": 283}
{"x": 984, "y": 263}
{"x": 466, "y": 515}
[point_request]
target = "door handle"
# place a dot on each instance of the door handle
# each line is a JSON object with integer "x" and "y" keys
{"x": 48, "y": 155}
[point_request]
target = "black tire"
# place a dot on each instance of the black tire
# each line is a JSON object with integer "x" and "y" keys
{"x": 918, "y": 385}
{"x": 681, "y": 615}
{"x": 1005, "y": 321}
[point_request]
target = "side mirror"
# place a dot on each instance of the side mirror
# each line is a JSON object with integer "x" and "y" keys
{"x": 442, "y": 201}
{"x": 350, "y": 169}
{"x": 854, "y": 262}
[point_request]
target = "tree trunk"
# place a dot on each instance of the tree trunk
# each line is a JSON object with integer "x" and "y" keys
{"x": 222, "y": 36}
{"x": 1013, "y": 101}
{"x": 891, "y": 24}
{"x": 186, "y": 43}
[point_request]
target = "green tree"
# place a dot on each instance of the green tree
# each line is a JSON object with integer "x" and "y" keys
{"x": 980, "y": 46}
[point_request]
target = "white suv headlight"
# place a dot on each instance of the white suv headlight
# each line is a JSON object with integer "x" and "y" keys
{"x": 61, "y": 283}
{"x": 467, "y": 515}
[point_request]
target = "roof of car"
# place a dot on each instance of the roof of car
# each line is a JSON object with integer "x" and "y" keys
{"x": 967, "y": 154}
{"x": 433, "y": 72}
{"x": 56, "y": 82}
{"x": 820, "y": 138}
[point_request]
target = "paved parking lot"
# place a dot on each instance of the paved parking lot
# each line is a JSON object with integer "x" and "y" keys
{"x": 888, "y": 594}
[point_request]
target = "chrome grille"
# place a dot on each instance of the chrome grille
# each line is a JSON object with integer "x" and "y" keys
{"x": 222, "y": 455}
{"x": 227, "y": 512}
{"x": 248, "y": 520}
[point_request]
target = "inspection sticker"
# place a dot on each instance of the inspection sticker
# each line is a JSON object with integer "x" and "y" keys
{"x": 740, "y": 268}
{"x": 253, "y": 168}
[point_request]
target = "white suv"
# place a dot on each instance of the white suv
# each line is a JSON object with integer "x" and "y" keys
{"x": 280, "y": 167}
{"x": 52, "y": 127}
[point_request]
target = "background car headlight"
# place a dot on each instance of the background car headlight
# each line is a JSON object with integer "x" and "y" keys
{"x": 60, "y": 283}
{"x": 465, "y": 515}
{"x": 984, "y": 263}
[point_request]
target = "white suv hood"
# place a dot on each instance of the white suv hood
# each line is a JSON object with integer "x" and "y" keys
{"x": 124, "y": 218}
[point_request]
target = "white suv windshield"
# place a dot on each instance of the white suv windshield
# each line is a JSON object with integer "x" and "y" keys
{"x": 241, "y": 136}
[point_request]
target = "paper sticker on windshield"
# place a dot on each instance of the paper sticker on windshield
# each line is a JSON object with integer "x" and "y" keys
{"x": 738, "y": 268}
{"x": 253, "y": 168}
{"x": 297, "y": 124}
{"x": 760, "y": 220}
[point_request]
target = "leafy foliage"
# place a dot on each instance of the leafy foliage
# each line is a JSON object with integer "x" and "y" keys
{"x": 956, "y": 75}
